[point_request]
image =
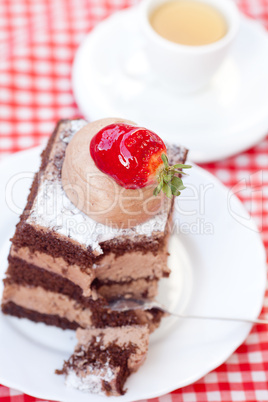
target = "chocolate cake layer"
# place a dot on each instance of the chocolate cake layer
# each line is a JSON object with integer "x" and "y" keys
{"x": 144, "y": 288}
{"x": 13, "y": 309}
{"x": 152, "y": 318}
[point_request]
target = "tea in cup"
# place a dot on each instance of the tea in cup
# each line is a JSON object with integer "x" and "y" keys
{"x": 187, "y": 40}
{"x": 189, "y": 22}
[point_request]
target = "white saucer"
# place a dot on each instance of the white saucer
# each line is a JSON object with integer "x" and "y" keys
{"x": 111, "y": 77}
{"x": 218, "y": 268}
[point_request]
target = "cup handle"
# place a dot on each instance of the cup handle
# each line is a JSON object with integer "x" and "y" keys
{"x": 137, "y": 67}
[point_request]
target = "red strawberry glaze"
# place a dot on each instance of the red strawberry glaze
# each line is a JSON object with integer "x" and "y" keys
{"x": 129, "y": 154}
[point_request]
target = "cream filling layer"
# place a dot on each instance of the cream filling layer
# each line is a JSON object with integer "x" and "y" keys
{"x": 57, "y": 266}
{"x": 132, "y": 266}
{"x": 46, "y": 302}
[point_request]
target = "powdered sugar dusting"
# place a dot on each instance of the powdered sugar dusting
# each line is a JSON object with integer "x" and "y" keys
{"x": 53, "y": 210}
{"x": 92, "y": 380}
{"x": 70, "y": 128}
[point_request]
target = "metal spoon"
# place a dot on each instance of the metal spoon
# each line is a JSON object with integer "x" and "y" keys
{"x": 121, "y": 305}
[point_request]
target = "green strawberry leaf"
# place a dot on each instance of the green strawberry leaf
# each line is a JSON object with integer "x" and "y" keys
{"x": 181, "y": 172}
{"x": 176, "y": 185}
{"x": 181, "y": 166}
{"x": 167, "y": 190}
{"x": 158, "y": 189}
{"x": 177, "y": 182}
{"x": 169, "y": 181}
{"x": 165, "y": 160}
{"x": 168, "y": 176}
{"x": 176, "y": 192}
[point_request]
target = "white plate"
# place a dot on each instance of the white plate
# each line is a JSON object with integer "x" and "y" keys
{"x": 219, "y": 268}
{"x": 111, "y": 77}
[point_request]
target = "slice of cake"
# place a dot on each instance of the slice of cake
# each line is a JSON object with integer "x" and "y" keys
{"x": 103, "y": 359}
{"x": 96, "y": 228}
{"x": 63, "y": 263}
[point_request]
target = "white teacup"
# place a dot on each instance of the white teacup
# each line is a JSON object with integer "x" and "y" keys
{"x": 187, "y": 68}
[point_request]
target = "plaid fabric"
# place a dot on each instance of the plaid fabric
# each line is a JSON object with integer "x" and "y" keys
{"x": 38, "y": 40}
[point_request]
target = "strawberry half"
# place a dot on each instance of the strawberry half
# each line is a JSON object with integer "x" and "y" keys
{"x": 135, "y": 157}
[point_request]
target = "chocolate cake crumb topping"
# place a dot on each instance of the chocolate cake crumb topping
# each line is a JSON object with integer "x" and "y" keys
{"x": 97, "y": 355}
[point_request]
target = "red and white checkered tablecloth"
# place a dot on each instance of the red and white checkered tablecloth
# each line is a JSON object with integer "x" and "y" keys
{"x": 38, "y": 39}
